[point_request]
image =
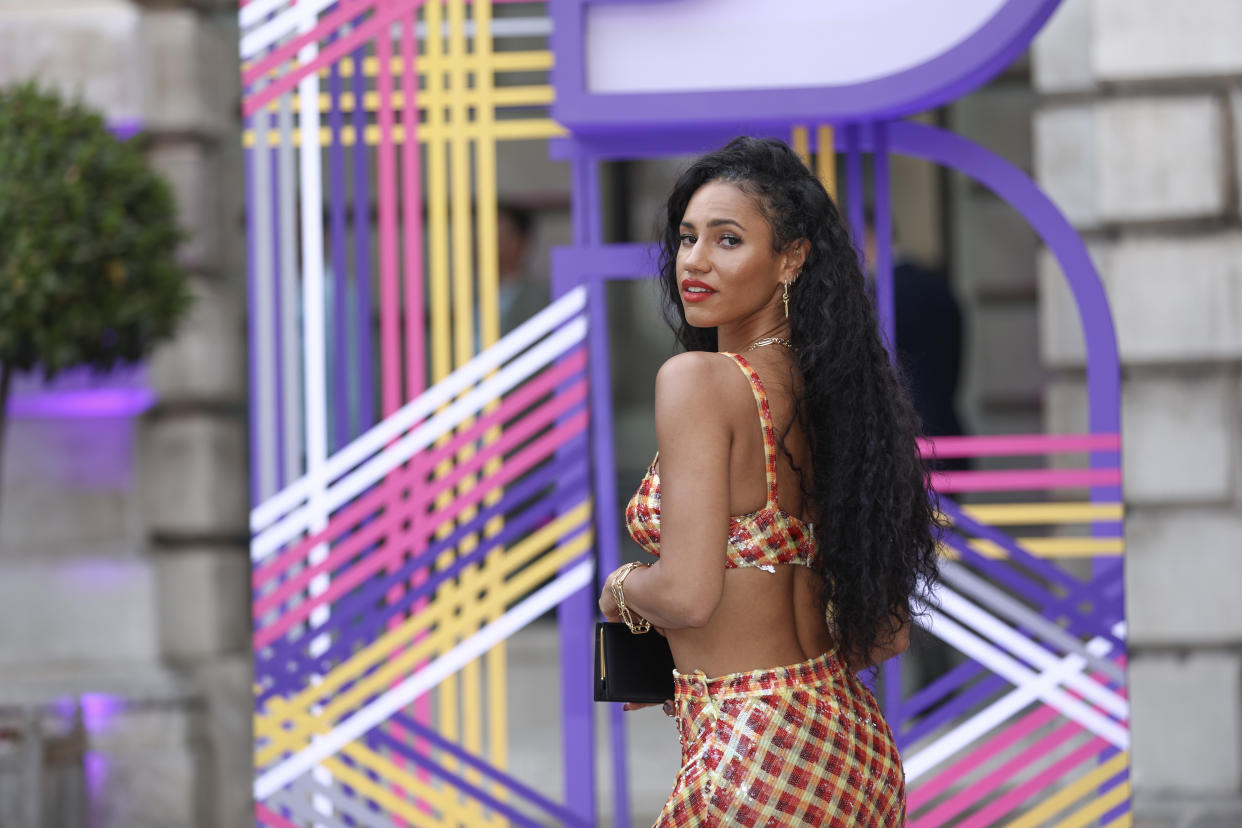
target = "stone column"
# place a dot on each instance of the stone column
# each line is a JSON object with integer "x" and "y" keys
{"x": 1137, "y": 140}
{"x": 193, "y": 456}
{"x": 123, "y": 543}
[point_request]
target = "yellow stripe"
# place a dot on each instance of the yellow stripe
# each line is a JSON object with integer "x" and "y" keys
{"x": 1038, "y": 514}
{"x": 355, "y": 777}
{"x": 1126, "y": 820}
{"x": 826, "y": 160}
{"x": 801, "y": 141}
{"x": 508, "y": 130}
{"x": 400, "y": 636}
{"x": 496, "y": 691}
{"x": 457, "y": 704}
{"x": 1096, "y": 807}
{"x": 1068, "y": 796}
{"x": 526, "y": 61}
{"x": 399, "y": 664}
{"x": 389, "y": 647}
{"x": 1054, "y": 547}
{"x": 501, "y": 97}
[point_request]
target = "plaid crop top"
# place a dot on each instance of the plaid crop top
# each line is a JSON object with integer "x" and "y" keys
{"x": 761, "y": 539}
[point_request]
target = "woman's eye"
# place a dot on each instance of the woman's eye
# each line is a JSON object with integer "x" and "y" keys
{"x": 730, "y": 241}
{"x": 687, "y": 239}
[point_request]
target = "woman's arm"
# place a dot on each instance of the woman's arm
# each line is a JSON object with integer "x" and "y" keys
{"x": 684, "y": 587}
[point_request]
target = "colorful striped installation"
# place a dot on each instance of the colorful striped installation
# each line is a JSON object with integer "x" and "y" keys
{"x": 409, "y": 468}
{"x": 326, "y": 690}
{"x": 1030, "y": 726}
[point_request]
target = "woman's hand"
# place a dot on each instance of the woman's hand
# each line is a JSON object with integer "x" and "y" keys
{"x": 607, "y": 604}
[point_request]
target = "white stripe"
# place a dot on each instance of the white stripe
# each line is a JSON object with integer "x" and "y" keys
{"x": 290, "y": 287}
{"x": 278, "y": 27}
{"x": 264, "y": 344}
{"x": 407, "y": 691}
{"x": 1028, "y": 651}
{"x": 314, "y": 341}
{"x": 266, "y": 34}
{"x": 381, "y": 464}
{"x": 441, "y": 393}
{"x": 256, "y": 10}
{"x": 1029, "y": 686}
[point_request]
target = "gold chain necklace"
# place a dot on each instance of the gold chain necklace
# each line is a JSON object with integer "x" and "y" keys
{"x": 771, "y": 340}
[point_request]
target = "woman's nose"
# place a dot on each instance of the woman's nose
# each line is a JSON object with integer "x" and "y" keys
{"x": 694, "y": 258}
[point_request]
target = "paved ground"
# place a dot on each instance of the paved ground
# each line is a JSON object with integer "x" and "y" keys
{"x": 535, "y": 733}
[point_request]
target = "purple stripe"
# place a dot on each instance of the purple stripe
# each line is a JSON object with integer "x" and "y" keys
{"x": 256, "y": 439}
{"x": 341, "y": 375}
{"x": 577, "y": 614}
{"x": 277, "y": 326}
{"x": 537, "y": 799}
{"x": 378, "y": 738}
{"x": 365, "y": 366}
{"x": 893, "y": 708}
{"x": 969, "y": 699}
{"x": 1018, "y": 555}
{"x": 289, "y": 658}
{"x": 883, "y": 231}
{"x": 854, "y": 186}
{"x": 932, "y": 694}
{"x": 291, "y": 653}
{"x": 1051, "y": 606}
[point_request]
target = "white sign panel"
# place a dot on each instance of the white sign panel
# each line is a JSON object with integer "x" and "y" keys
{"x": 702, "y": 45}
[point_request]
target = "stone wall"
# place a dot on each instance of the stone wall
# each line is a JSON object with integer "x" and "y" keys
{"x": 123, "y": 562}
{"x": 1137, "y": 139}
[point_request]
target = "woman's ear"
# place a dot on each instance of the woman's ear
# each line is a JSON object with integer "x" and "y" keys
{"x": 795, "y": 259}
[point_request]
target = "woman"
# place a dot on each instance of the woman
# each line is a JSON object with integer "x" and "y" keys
{"x": 788, "y": 554}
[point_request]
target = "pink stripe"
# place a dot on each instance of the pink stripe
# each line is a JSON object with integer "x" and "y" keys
{"x": 527, "y": 427}
{"x": 980, "y": 790}
{"x": 390, "y": 298}
{"x": 925, "y": 792}
{"x": 269, "y": 817}
{"x": 1016, "y": 444}
{"x": 1007, "y": 804}
{"x": 517, "y": 465}
{"x": 358, "y": 36}
{"x": 1024, "y": 480}
{"x": 364, "y": 506}
{"x": 327, "y": 25}
{"x": 415, "y": 358}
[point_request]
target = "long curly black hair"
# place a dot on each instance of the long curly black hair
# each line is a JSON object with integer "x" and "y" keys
{"x": 875, "y": 516}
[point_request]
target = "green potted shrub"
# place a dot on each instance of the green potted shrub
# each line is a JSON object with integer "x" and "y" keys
{"x": 88, "y": 240}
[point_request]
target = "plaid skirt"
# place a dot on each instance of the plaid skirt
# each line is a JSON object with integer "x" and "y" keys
{"x": 797, "y": 745}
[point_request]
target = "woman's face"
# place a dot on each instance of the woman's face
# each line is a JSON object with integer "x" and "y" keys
{"x": 727, "y": 271}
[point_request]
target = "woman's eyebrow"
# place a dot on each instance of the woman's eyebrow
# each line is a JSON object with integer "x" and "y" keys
{"x": 715, "y": 223}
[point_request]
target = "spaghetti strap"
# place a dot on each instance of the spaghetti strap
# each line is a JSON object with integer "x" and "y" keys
{"x": 765, "y": 420}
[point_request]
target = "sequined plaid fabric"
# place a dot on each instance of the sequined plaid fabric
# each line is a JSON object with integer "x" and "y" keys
{"x": 761, "y": 539}
{"x": 799, "y": 745}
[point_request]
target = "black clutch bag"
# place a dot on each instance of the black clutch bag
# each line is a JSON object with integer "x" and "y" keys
{"x": 631, "y": 668}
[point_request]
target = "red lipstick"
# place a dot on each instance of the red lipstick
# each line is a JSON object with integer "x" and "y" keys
{"x": 692, "y": 290}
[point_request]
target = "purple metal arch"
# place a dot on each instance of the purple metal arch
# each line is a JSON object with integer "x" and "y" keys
{"x": 931, "y": 144}
{"x": 950, "y": 75}
{"x": 1017, "y": 189}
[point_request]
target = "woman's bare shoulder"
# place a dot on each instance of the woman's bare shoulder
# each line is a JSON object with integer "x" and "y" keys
{"x": 701, "y": 385}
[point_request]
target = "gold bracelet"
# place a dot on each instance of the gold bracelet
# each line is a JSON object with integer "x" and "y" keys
{"x": 640, "y": 626}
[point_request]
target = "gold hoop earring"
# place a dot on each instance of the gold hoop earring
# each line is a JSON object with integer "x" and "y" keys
{"x": 785, "y": 298}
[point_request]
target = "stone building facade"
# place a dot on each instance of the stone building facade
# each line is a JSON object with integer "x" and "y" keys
{"x": 1138, "y": 138}
{"x": 124, "y": 573}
